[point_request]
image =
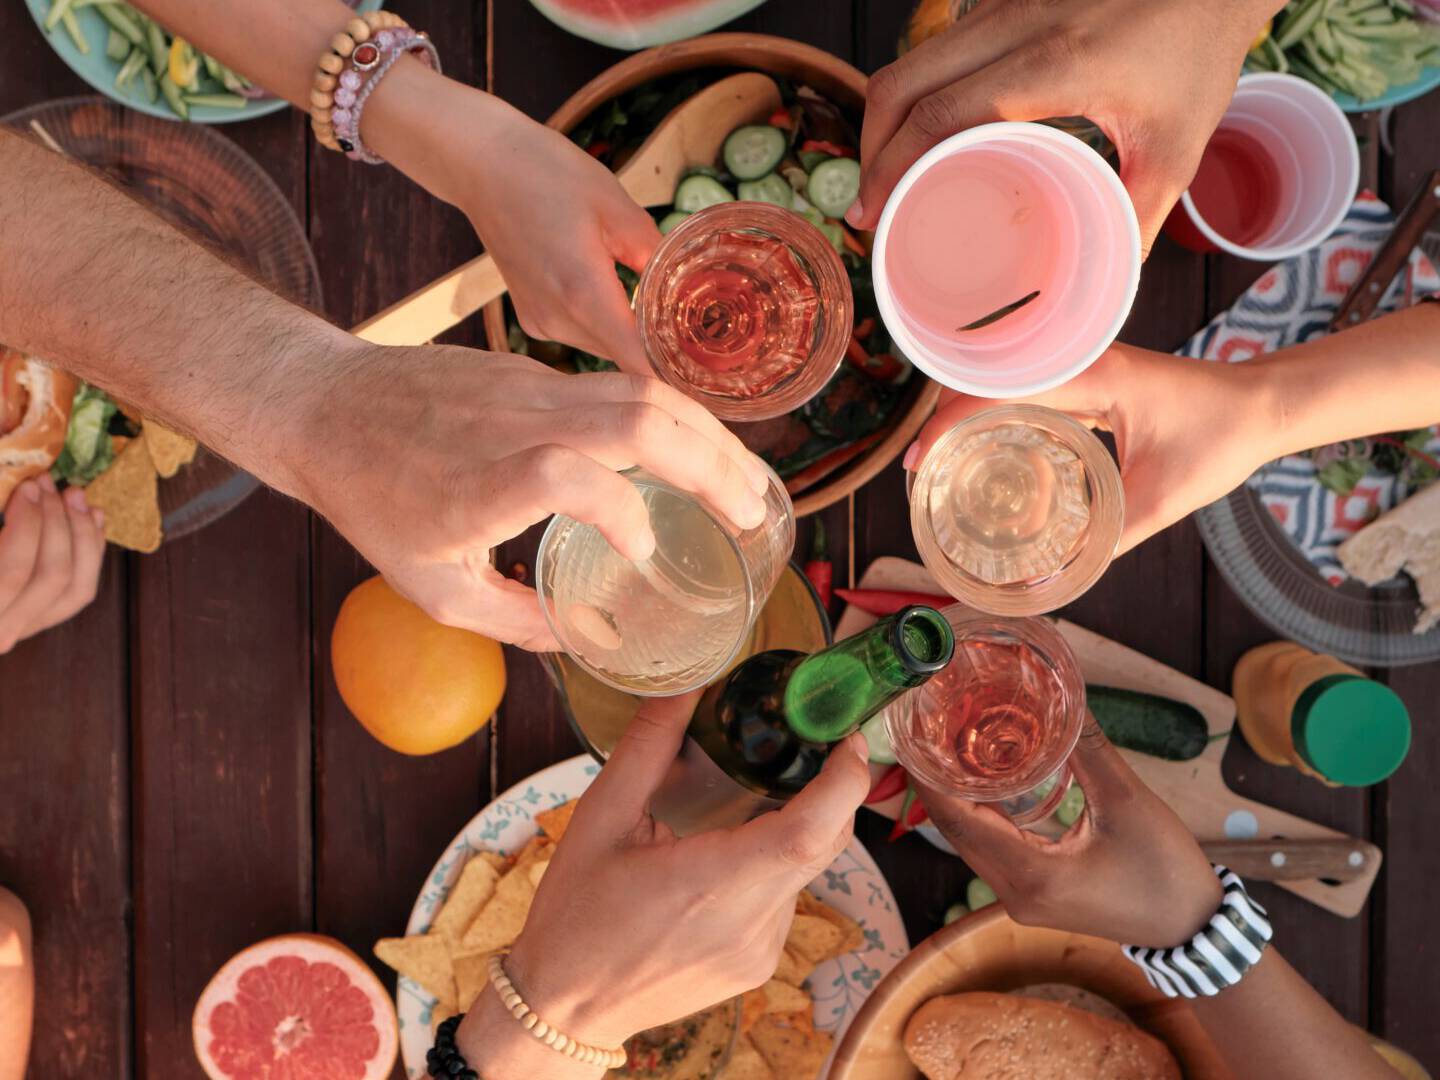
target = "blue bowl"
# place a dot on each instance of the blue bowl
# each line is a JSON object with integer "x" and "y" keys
{"x": 99, "y": 70}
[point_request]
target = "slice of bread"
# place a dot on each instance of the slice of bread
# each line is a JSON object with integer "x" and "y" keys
{"x": 985, "y": 1036}
{"x": 1407, "y": 538}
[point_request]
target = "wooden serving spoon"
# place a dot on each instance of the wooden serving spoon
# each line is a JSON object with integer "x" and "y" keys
{"x": 690, "y": 135}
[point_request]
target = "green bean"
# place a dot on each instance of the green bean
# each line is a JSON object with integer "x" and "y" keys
{"x": 117, "y": 46}
{"x": 121, "y": 21}
{"x": 147, "y": 78}
{"x": 129, "y": 68}
{"x": 58, "y": 10}
{"x": 72, "y": 27}
{"x": 159, "y": 47}
{"x": 216, "y": 101}
{"x": 173, "y": 97}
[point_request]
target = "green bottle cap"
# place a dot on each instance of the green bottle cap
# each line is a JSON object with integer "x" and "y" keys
{"x": 1351, "y": 730}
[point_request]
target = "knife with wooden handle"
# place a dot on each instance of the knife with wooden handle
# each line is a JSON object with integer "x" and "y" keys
{"x": 1338, "y": 859}
{"x": 1410, "y": 228}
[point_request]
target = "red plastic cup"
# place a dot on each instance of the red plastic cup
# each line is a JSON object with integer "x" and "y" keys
{"x": 1310, "y": 170}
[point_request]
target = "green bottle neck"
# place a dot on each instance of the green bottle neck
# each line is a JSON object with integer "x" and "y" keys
{"x": 832, "y": 692}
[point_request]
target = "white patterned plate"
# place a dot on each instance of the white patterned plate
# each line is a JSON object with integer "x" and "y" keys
{"x": 852, "y": 884}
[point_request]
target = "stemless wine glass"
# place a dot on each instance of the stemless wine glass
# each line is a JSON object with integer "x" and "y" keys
{"x": 998, "y": 725}
{"x": 745, "y": 307}
{"x": 1017, "y": 510}
{"x": 674, "y": 621}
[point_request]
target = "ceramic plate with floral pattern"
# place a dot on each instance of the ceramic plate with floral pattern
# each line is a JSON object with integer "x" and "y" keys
{"x": 852, "y": 884}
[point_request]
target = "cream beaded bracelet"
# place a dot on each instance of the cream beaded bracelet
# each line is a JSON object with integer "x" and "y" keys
{"x": 557, "y": 1041}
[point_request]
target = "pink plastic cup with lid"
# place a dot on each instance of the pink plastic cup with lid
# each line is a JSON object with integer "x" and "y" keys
{"x": 981, "y": 222}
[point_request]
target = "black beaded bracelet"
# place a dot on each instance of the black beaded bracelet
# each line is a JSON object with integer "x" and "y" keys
{"x": 444, "y": 1059}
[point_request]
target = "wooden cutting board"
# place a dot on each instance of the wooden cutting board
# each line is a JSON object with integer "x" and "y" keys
{"x": 1194, "y": 789}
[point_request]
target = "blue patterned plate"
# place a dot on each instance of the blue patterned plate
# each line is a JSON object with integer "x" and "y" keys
{"x": 852, "y": 884}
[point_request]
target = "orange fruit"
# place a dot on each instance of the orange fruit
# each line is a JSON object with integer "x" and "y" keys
{"x": 415, "y": 684}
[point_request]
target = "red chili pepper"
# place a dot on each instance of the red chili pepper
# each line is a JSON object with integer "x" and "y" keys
{"x": 892, "y": 781}
{"x": 856, "y": 354}
{"x": 782, "y": 118}
{"x": 1414, "y": 452}
{"x": 864, "y": 328}
{"x": 852, "y": 242}
{"x": 889, "y": 601}
{"x": 596, "y": 149}
{"x": 824, "y": 146}
{"x": 818, "y": 470}
{"x": 912, "y": 813}
{"x": 819, "y": 569}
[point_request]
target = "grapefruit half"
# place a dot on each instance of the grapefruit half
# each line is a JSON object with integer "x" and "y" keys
{"x": 298, "y": 1006}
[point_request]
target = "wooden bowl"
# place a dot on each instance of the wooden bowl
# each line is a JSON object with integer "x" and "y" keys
{"x": 989, "y": 951}
{"x": 838, "y": 81}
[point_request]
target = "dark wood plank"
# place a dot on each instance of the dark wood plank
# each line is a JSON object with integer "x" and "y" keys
{"x": 1407, "y": 940}
{"x": 383, "y": 818}
{"x": 64, "y": 761}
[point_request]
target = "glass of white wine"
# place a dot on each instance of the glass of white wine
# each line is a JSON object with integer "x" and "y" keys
{"x": 1017, "y": 510}
{"x": 672, "y": 622}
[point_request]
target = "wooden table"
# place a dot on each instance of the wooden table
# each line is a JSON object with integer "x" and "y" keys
{"x": 178, "y": 777}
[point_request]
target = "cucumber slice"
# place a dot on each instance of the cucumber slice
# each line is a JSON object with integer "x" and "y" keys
{"x": 698, "y": 192}
{"x": 670, "y": 220}
{"x": 955, "y": 911}
{"x": 833, "y": 186}
{"x": 1071, "y": 806}
{"x": 878, "y": 739}
{"x": 770, "y": 188}
{"x": 754, "y": 150}
{"x": 978, "y": 894}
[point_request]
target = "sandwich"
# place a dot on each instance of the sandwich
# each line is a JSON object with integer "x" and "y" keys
{"x": 35, "y": 406}
{"x": 986, "y": 1036}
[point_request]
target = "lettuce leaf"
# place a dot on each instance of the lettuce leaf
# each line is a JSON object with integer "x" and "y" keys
{"x": 89, "y": 450}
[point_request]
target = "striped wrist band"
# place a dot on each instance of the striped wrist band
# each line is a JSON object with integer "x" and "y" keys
{"x": 1219, "y": 955}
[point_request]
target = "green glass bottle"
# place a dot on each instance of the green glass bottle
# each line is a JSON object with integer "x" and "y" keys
{"x": 770, "y": 722}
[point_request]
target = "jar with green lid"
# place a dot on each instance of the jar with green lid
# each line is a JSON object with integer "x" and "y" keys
{"x": 1311, "y": 711}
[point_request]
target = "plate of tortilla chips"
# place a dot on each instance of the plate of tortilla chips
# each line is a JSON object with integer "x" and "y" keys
{"x": 846, "y": 936}
{"x": 155, "y": 484}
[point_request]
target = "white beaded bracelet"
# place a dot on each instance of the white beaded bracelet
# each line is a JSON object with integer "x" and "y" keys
{"x": 556, "y": 1040}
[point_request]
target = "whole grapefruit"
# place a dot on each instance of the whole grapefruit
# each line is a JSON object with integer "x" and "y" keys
{"x": 299, "y": 1005}
{"x": 415, "y": 684}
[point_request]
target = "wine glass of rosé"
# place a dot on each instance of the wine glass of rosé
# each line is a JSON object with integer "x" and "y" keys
{"x": 745, "y": 307}
{"x": 999, "y": 723}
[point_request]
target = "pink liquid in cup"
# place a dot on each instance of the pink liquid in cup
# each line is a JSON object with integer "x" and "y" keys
{"x": 987, "y": 218}
{"x": 1277, "y": 177}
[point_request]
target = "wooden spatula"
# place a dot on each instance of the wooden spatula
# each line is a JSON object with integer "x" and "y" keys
{"x": 690, "y": 135}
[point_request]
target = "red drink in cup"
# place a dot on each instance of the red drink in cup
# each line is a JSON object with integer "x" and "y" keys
{"x": 1277, "y": 177}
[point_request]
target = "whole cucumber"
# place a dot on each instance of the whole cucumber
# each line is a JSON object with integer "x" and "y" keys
{"x": 1149, "y": 724}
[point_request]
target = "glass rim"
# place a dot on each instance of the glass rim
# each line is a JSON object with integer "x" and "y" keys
{"x": 1086, "y": 562}
{"x": 546, "y": 600}
{"x": 816, "y": 255}
{"x": 1036, "y": 632}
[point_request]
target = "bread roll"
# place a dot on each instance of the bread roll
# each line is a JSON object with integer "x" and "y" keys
{"x": 984, "y": 1036}
{"x": 35, "y": 403}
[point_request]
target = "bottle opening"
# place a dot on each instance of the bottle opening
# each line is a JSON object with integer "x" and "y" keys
{"x": 923, "y": 639}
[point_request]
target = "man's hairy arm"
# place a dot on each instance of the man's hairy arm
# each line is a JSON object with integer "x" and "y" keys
{"x": 97, "y": 284}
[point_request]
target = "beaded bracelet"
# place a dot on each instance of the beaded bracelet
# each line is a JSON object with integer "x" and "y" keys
{"x": 557, "y": 1041}
{"x": 348, "y": 72}
{"x": 444, "y": 1058}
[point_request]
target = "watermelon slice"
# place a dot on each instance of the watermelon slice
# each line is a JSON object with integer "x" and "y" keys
{"x": 301, "y": 1006}
{"x": 638, "y": 24}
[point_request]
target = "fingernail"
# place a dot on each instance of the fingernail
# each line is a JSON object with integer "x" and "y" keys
{"x": 912, "y": 455}
{"x": 31, "y": 491}
{"x": 860, "y": 745}
{"x": 754, "y": 514}
{"x": 47, "y": 482}
{"x": 760, "y": 482}
{"x": 75, "y": 498}
{"x": 98, "y": 516}
{"x": 644, "y": 545}
{"x": 856, "y": 213}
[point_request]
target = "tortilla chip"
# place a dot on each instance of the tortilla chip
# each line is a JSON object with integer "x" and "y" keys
{"x": 424, "y": 958}
{"x": 793, "y": 968}
{"x": 129, "y": 494}
{"x": 814, "y": 938}
{"x": 745, "y": 1063}
{"x": 500, "y": 862}
{"x": 472, "y": 973}
{"x": 537, "y": 871}
{"x": 775, "y": 996}
{"x": 471, "y": 893}
{"x": 555, "y": 822}
{"x": 807, "y": 903}
{"x": 500, "y": 921}
{"x": 790, "y": 1044}
{"x": 169, "y": 450}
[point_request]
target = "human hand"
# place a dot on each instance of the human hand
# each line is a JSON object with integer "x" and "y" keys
{"x": 1155, "y": 75}
{"x": 51, "y": 550}
{"x": 1187, "y": 432}
{"x": 428, "y": 457}
{"x": 556, "y": 220}
{"x": 1128, "y": 870}
{"x": 632, "y": 927}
